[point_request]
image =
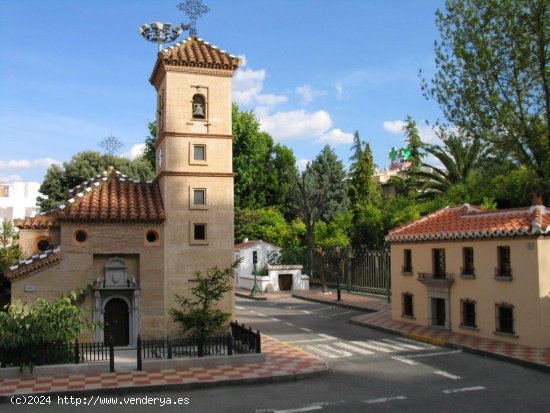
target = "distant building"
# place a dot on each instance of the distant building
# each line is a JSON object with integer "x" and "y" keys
{"x": 255, "y": 256}
{"x": 18, "y": 199}
{"x": 477, "y": 272}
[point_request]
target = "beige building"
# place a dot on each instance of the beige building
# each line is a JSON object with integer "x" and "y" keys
{"x": 139, "y": 243}
{"x": 478, "y": 272}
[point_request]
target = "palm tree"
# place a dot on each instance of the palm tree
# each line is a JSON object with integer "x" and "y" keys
{"x": 458, "y": 158}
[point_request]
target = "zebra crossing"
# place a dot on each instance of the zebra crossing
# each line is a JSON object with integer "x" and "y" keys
{"x": 333, "y": 347}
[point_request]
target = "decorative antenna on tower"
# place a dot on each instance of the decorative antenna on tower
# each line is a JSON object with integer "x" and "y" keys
{"x": 160, "y": 33}
{"x": 194, "y": 9}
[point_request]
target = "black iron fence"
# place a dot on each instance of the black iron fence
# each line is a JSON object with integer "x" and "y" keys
{"x": 55, "y": 353}
{"x": 359, "y": 270}
{"x": 240, "y": 340}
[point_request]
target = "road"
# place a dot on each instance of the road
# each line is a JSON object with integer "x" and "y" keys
{"x": 372, "y": 372}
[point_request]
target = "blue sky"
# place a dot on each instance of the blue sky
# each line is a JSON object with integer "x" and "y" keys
{"x": 73, "y": 72}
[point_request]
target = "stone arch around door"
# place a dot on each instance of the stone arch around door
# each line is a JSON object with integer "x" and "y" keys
{"x": 116, "y": 301}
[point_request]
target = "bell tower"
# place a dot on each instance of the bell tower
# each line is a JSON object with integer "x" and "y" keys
{"x": 194, "y": 162}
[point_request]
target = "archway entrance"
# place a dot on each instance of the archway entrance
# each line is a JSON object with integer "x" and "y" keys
{"x": 117, "y": 324}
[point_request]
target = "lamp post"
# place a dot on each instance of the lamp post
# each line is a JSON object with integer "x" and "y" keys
{"x": 338, "y": 248}
{"x": 255, "y": 288}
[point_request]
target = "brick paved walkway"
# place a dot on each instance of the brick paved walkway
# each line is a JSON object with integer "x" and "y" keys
{"x": 283, "y": 363}
{"x": 379, "y": 317}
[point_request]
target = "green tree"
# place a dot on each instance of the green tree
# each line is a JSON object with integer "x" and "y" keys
{"x": 150, "y": 152}
{"x": 10, "y": 253}
{"x": 363, "y": 189}
{"x": 320, "y": 193}
{"x": 82, "y": 167}
{"x": 458, "y": 156}
{"x": 492, "y": 78}
{"x": 199, "y": 316}
{"x": 265, "y": 171}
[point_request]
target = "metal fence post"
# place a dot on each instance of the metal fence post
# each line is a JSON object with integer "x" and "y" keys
{"x": 258, "y": 342}
{"x": 169, "y": 346}
{"x": 111, "y": 356}
{"x": 200, "y": 350}
{"x": 229, "y": 344}
{"x": 139, "y": 352}
{"x": 76, "y": 352}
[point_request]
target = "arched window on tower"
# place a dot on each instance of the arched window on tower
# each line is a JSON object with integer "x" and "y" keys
{"x": 199, "y": 106}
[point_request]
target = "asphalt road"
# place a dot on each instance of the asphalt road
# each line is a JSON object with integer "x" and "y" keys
{"x": 372, "y": 372}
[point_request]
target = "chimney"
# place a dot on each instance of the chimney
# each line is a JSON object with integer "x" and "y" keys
{"x": 245, "y": 240}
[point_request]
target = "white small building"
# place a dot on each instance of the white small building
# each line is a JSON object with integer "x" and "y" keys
{"x": 18, "y": 199}
{"x": 268, "y": 277}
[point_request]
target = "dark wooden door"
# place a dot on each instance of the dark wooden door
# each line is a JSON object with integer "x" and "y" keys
{"x": 285, "y": 282}
{"x": 117, "y": 322}
{"x": 440, "y": 311}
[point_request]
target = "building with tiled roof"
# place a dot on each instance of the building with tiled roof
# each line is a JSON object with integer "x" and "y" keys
{"x": 474, "y": 271}
{"x": 138, "y": 243}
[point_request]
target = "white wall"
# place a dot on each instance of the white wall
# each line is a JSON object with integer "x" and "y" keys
{"x": 18, "y": 199}
{"x": 246, "y": 267}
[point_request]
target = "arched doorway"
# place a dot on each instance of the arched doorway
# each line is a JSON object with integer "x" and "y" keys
{"x": 116, "y": 321}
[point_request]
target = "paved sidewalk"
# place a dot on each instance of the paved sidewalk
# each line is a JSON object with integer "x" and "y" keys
{"x": 283, "y": 363}
{"x": 379, "y": 317}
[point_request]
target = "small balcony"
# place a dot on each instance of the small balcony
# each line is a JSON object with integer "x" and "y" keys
{"x": 406, "y": 270}
{"x": 503, "y": 273}
{"x": 467, "y": 273}
{"x": 436, "y": 279}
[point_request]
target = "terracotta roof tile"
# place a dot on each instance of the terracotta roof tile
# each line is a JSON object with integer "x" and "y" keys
{"x": 108, "y": 197}
{"x": 33, "y": 264}
{"x": 467, "y": 221}
{"x": 197, "y": 53}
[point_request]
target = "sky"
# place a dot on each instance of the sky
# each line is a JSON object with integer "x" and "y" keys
{"x": 315, "y": 71}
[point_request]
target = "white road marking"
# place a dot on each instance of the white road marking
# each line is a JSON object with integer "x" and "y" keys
{"x": 306, "y": 329}
{"x": 240, "y": 308}
{"x": 261, "y": 315}
{"x": 321, "y": 352}
{"x": 300, "y": 409}
{"x": 290, "y": 324}
{"x": 274, "y": 319}
{"x": 327, "y": 336}
{"x": 404, "y": 344}
{"x": 353, "y": 348}
{"x": 309, "y": 341}
{"x": 305, "y": 311}
{"x": 385, "y": 399}
{"x": 405, "y": 360}
{"x": 328, "y": 347}
{"x": 441, "y": 353}
{"x": 372, "y": 346}
{"x": 388, "y": 345}
{"x": 464, "y": 389}
{"x": 448, "y": 375}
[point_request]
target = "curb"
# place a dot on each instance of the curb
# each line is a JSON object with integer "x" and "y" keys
{"x": 335, "y": 303}
{"x": 251, "y": 297}
{"x": 466, "y": 349}
{"x": 175, "y": 386}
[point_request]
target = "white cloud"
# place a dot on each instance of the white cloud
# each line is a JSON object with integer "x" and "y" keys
{"x": 8, "y": 179}
{"x": 248, "y": 85}
{"x": 302, "y": 164}
{"x": 336, "y": 137}
{"x": 297, "y": 124}
{"x": 340, "y": 92}
{"x": 26, "y": 164}
{"x": 394, "y": 126}
{"x": 135, "y": 151}
{"x": 309, "y": 93}
{"x": 243, "y": 59}
{"x": 427, "y": 134}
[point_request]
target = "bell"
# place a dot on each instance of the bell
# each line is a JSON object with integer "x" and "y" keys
{"x": 197, "y": 111}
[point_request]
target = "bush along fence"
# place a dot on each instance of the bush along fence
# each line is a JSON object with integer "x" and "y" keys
{"x": 240, "y": 340}
{"x": 56, "y": 353}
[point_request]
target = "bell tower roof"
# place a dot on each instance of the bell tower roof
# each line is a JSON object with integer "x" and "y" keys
{"x": 195, "y": 55}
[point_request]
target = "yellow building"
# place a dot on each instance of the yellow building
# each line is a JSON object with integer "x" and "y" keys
{"x": 478, "y": 272}
{"x": 140, "y": 243}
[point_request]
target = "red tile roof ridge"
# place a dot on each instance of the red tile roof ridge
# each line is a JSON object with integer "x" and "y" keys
{"x": 468, "y": 221}
{"x": 33, "y": 264}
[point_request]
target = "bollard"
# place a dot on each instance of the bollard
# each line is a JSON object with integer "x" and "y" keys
{"x": 229, "y": 344}
{"x": 76, "y": 352}
{"x": 139, "y": 352}
{"x": 111, "y": 355}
